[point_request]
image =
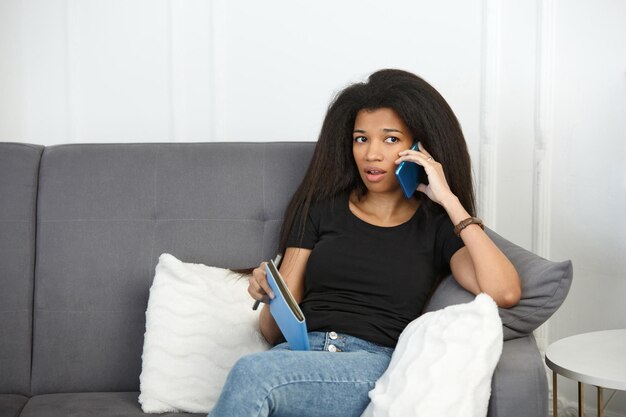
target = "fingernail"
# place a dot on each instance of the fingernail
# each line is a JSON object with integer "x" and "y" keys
{"x": 272, "y": 295}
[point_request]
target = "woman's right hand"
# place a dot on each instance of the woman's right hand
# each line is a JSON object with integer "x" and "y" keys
{"x": 292, "y": 269}
{"x": 258, "y": 287}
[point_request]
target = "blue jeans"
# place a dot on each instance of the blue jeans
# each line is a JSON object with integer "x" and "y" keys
{"x": 326, "y": 381}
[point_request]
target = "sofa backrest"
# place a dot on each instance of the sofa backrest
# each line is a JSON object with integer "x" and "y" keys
{"x": 19, "y": 165}
{"x": 82, "y": 227}
{"x": 105, "y": 214}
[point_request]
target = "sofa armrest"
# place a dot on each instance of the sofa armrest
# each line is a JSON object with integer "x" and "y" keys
{"x": 519, "y": 387}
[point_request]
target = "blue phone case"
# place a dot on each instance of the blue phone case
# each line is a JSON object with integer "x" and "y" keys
{"x": 409, "y": 174}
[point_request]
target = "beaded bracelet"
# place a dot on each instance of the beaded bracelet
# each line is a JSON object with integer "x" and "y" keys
{"x": 464, "y": 223}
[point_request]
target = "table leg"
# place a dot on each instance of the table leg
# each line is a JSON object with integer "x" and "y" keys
{"x": 555, "y": 404}
{"x": 600, "y": 402}
{"x": 581, "y": 400}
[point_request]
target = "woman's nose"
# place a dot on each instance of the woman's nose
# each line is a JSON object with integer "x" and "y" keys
{"x": 374, "y": 152}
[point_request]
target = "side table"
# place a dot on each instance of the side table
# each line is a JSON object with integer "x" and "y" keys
{"x": 596, "y": 358}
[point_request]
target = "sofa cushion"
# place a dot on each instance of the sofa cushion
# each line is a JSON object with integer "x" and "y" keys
{"x": 92, "y": 404}
{"x": 545, "y": 285}
{"x": 519, "y": 384}
{"x": 19, "y": 169}
{"x": 198, "y": 324}
{"x": 107, "y": 211}
{"x": 11, "y": 404}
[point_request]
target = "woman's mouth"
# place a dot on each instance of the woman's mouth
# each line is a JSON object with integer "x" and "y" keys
{"x": 374, "y": 174}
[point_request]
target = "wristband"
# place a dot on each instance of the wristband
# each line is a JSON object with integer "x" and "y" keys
{"x": 464, "y": 223}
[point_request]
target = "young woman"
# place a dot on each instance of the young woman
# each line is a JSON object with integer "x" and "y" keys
{"x": 360, "y": 258}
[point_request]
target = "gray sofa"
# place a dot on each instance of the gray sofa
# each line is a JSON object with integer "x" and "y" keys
{"x": 81, "y": 230}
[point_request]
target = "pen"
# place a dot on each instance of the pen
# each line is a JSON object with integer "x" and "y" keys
{"x": 276, "y": 262}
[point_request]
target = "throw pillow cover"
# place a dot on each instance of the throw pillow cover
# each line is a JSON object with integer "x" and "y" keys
{"x": 545, "y": 285}
{"x": 199, "y": 322}
{"x": 443, "y": 364}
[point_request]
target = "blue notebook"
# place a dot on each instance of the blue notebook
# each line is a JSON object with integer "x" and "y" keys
{"x": 286, "y": 311}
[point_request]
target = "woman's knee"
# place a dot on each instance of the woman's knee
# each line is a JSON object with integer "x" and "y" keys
{"x": 248, "y": 369}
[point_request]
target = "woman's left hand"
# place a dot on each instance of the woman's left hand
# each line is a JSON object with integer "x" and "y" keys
{"x": 437, "y": 189}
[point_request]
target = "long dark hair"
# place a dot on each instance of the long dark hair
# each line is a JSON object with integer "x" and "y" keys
{"x": 424, "y": 111}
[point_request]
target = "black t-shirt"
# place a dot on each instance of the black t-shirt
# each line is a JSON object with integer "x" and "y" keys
{"x": 370, "y": 281}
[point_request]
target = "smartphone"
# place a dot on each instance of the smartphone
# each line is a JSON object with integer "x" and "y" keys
{"x": 410, "y": 174}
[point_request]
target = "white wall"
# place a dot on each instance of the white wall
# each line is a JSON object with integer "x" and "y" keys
{"x": 194, "y": 70}
{"x": 539, "y": 87}
{"x": 588, "y": 209}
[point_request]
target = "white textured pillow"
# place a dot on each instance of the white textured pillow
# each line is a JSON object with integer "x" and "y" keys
{"x": 443, "y": 364}
{"x": 199, "y": 321}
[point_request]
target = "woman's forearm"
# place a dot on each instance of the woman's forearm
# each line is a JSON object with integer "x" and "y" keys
{"x": 269, "y": 328}
{"x": 495, "y": 274}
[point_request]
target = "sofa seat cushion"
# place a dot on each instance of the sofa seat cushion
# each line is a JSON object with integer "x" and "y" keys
{"x": 11, "y": 404}
{"x": 92, "y": 404}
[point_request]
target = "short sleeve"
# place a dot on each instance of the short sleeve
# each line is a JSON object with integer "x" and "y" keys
{"x": 446, "y": 242}
{"x": 305, "y": 235}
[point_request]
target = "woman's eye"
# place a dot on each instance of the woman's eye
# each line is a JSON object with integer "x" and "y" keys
{"x": 392, "y": 139}
{"x": 360, "y": 139}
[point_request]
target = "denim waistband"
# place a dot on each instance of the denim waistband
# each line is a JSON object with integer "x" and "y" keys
{"x": 340, "y": 342}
